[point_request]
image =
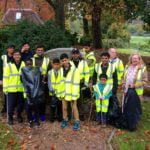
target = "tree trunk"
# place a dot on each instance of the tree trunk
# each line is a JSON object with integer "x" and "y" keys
{"x": 96, "y": 28}
{"x": 60, "y": 13}
{"x": 58, "y": 6}
{"x": 85, "y": 26}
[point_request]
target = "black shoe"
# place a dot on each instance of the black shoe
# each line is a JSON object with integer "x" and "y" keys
{"x": 20, "y": 119}
{"x": 37, "y": 123}
{"x": 52, "y": 120}
{"x": 31, "y": 124}
{"x": 10, "y": 120}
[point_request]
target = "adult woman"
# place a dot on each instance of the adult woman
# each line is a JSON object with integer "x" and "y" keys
{"x": 135, "y": 78}
{"x": 135, "y": 75}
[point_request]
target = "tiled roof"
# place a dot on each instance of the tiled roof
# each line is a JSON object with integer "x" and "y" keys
{"x": 14, "y": 15}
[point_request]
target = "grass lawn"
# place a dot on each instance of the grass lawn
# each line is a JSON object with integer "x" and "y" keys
{"x": 135, "y": 43}
{"x": 138, "y": 140}
{"x": 131, "y": 51}
{"x": 138, "y": 40}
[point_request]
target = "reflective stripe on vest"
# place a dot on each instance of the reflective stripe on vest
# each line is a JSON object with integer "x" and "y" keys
{"x": 102, "y": 105}
{"x": 91, "y": 67}
{"x": 14, "y": 81}
{"x": 140, "y": 73}
{"x": 56, "y": 83}
{"x": 44, "y": 65}
{"x": 140, "y": 90}
{"x": 72, "y": 85}
{"x": 105, "y": 91}
{"x": 109, "y": 72}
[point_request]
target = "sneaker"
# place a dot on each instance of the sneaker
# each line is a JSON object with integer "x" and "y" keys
{"x": 42, "y": 118}
{"x": 31, "y": 124}
{"x": 10, "y": 120}
{"x": 37, "y": 123}
{"x": 76, "y": 125}
{"x": 63, "y": 124}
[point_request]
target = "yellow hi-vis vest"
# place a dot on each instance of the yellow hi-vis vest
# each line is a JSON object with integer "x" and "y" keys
{"x": 72, "y": 85}
{"x": 11, "y": 78}
{"x": 90, "y": 56}
{"x": 102, "y": 105}
{"x": 138, "y": 79}
{"x": 119, "y": 68}
{"x": 56, "y": 84}
{"x": 4, "y": 58}
{"x": 84, "y": 70}
{"x": 109, "y": 72}
{"x": 44, "y": 64}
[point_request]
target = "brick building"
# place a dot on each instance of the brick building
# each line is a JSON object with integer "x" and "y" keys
{"x": 41, "y": 7}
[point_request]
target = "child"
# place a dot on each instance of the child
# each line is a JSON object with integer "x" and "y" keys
{"x": 71, "y": 78}
{"x": 55, "y": 83}
{"x": 31, "y": 78}
{"x": 102, "y": 92}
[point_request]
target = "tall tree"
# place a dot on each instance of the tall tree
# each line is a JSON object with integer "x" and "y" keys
{"x": 58, "y": 6}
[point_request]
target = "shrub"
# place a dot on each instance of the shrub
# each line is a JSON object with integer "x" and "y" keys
{"x": 47, "y": 34}
{"x": 145, "y": 47}
{"x": 118, "y": 31}
{"x": 117, "y": 43}
{"x": 85, "y": 40}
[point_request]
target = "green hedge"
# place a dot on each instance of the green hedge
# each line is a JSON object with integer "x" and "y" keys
{"x": 47, "y": 34}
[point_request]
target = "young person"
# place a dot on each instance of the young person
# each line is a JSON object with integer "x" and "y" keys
{"x": 12, "y": 85}
{"x": 78, "y": 62}
{"x": 71, "y": 77}
{"x": 55, "y": 84}
{"x": 81, "y": 64}
{"x": 26, "y": 52}
{"x": 32, "y": 81}
{"x": 90, "y": 58}
{"x": 102, "y": 92}
{"x": 5, "y": 59}
{"x": 44, "y": 63}
{"x": 104, "y": 67}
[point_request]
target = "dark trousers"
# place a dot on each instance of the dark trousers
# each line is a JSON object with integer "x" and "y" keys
{"x": 56, "y": 112}
{"x": 42, "y": 108}
{"x": 15, "y": 100}
{"x": 4, "y": 107}
{"x": 32, "y": 110}
{"x": 101, "y": 117}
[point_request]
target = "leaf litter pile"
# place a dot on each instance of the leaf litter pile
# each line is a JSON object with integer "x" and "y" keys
{"x": 49, "y": 136}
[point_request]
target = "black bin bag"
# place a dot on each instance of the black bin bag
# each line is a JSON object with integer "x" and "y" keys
{"x": 114, "y": 110}
{"x": 32, "y": 81}
{"x": 131, "y": 111}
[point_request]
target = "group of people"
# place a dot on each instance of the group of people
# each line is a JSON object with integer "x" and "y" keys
{"x": 30, "y": 80}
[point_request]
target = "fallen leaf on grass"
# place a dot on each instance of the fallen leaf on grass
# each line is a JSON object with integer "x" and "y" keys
{"x": 127, "y": 139}
{"x": 11, "y": 142}
{"x": 147, "y": 133}
{"x": 146, "y": 147}
{"x": 120, "y": 132}
{"x": 53, "y": 147}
